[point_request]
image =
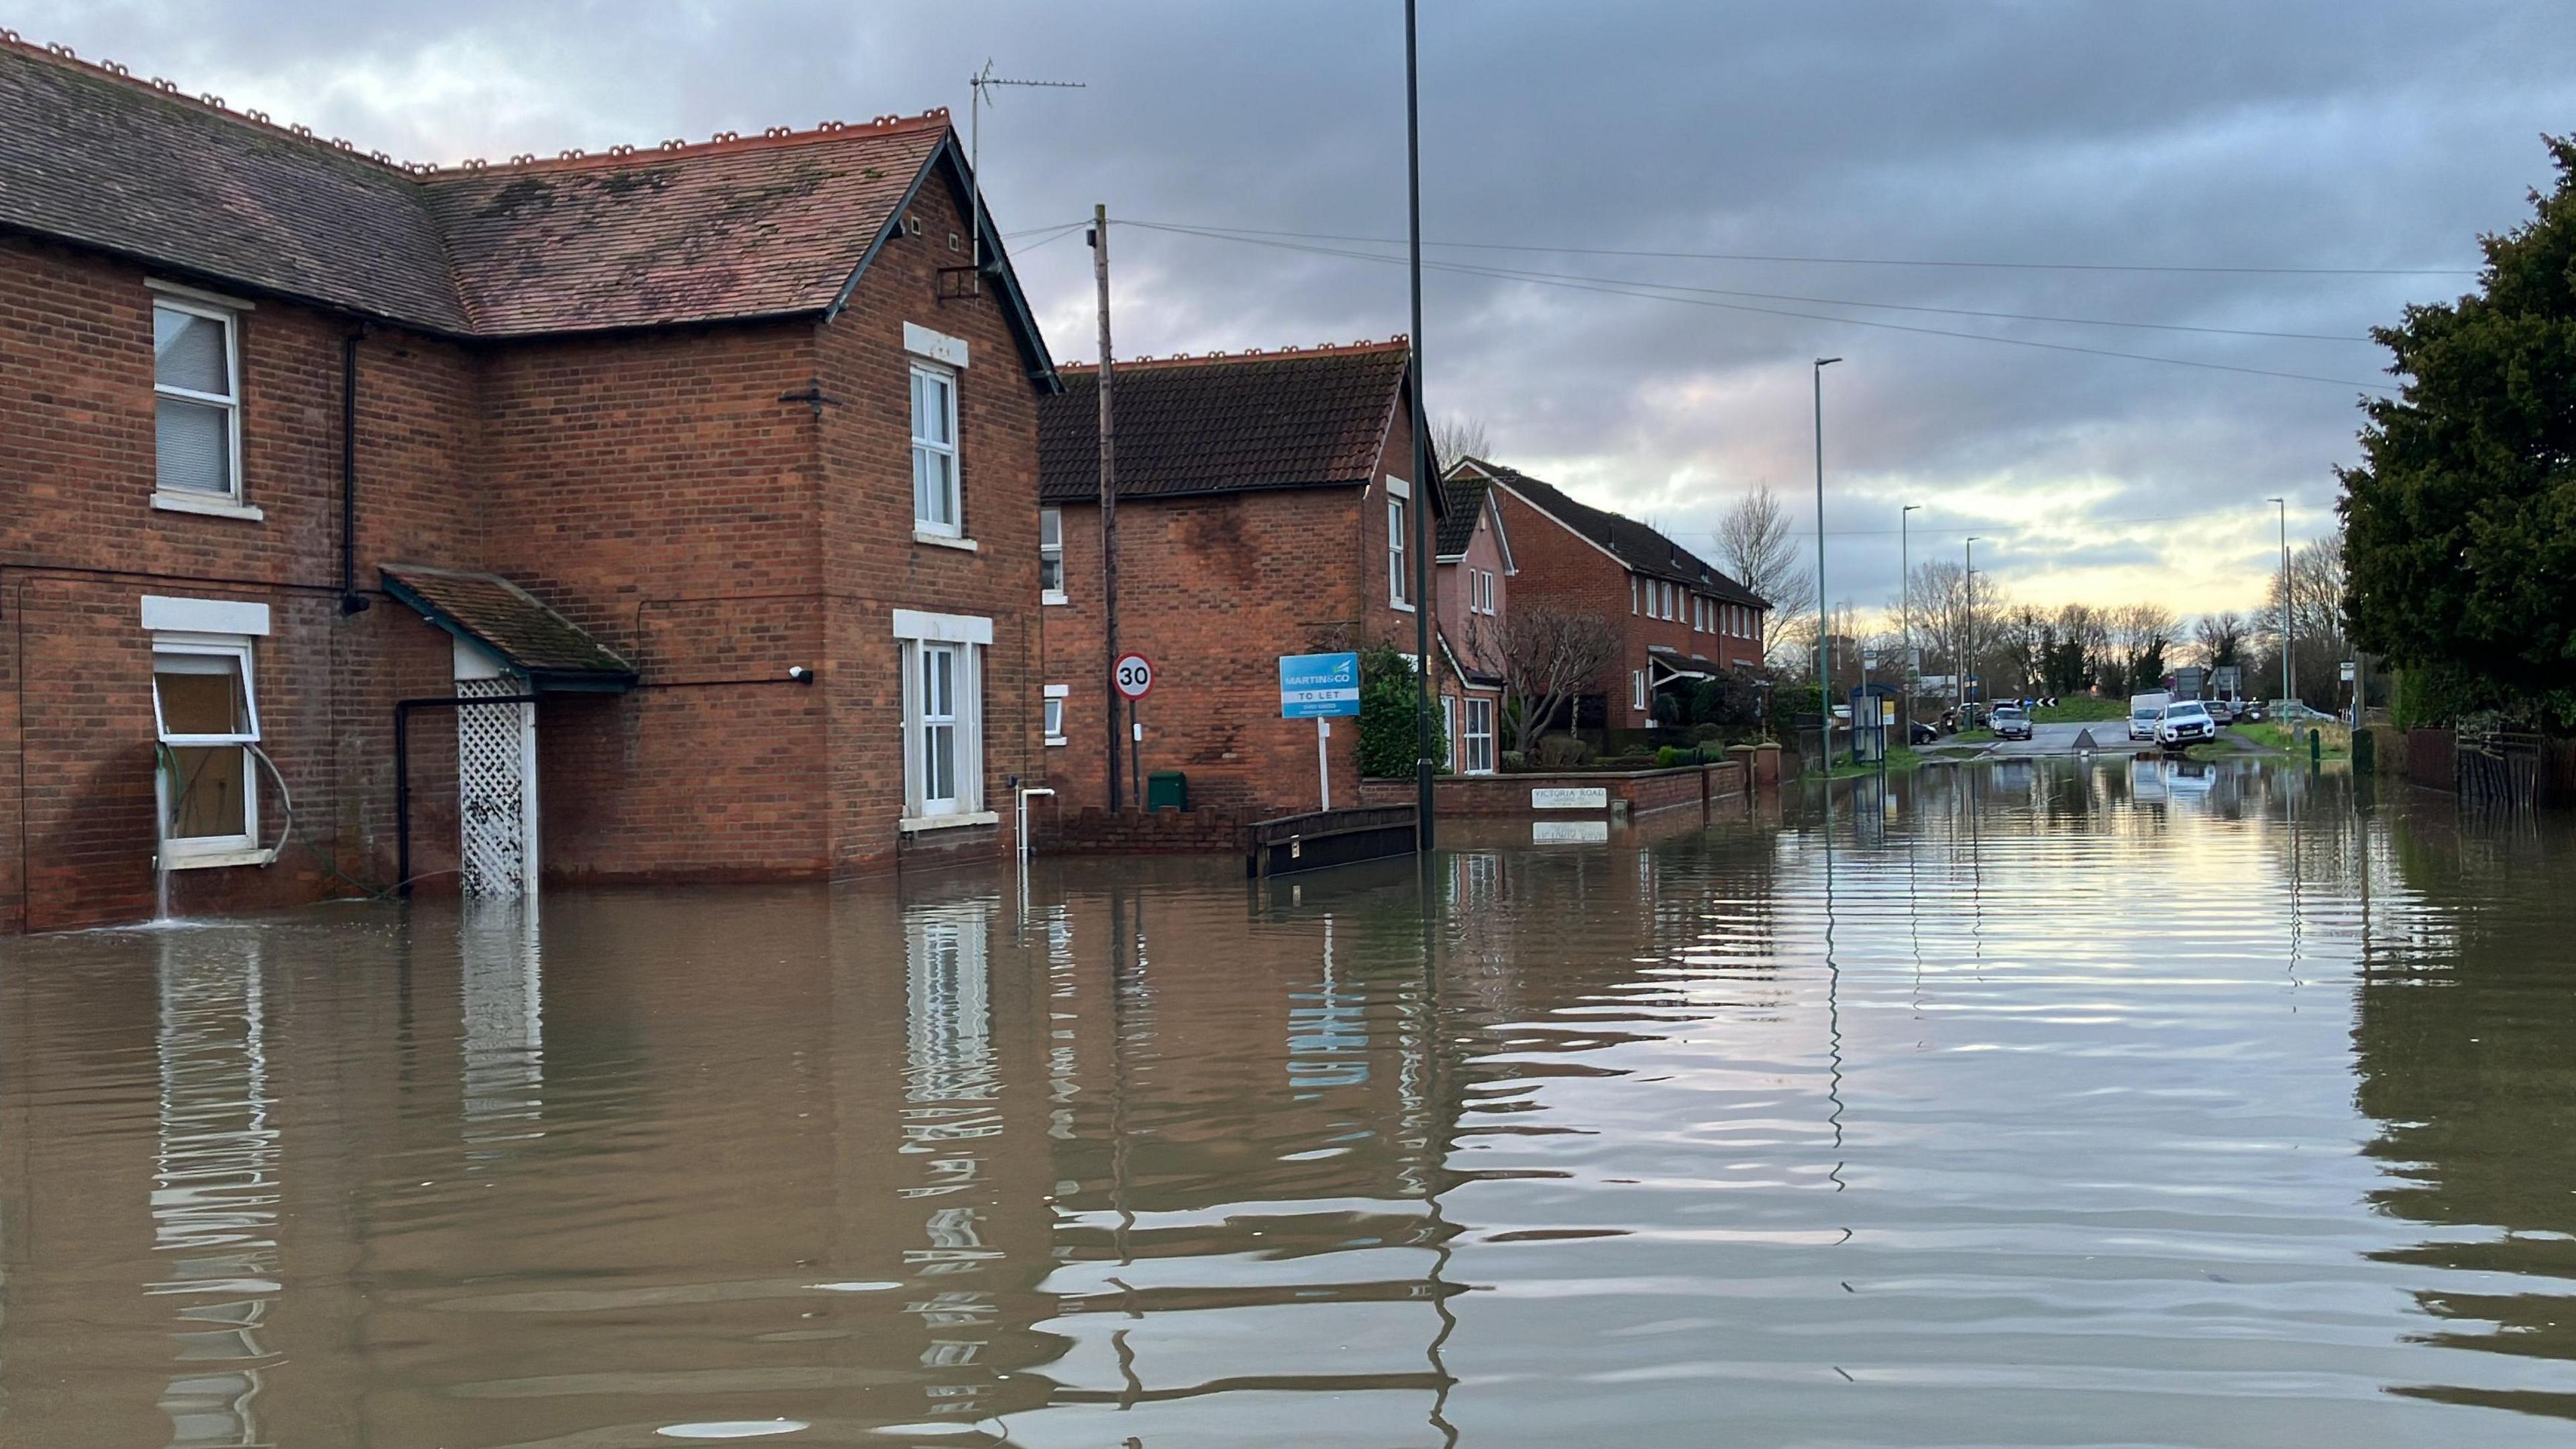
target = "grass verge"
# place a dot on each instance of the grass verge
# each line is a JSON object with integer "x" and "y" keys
{"x": 1899, "y": 760}
{"x": 2081, "y": 709}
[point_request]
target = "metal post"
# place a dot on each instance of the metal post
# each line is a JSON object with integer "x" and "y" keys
{"x": 1135, "y": 757}
{"x": 1324, "y": 761}
{"x": 1905, "y": 617}
{"x": 2289, "y": 624}
{"x": 1423, "y": 482}
{"x": 1968, "y": 632}
{"x": 1824, "y": 615}
{"x": 1108, "y": 503}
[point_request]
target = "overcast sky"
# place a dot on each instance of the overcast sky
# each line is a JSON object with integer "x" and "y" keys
{"x": 2350, "y": 134}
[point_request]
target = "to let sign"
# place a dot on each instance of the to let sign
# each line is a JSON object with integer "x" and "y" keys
{"x": 1319, "y": 686}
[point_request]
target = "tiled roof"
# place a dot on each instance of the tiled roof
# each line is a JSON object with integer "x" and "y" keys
{"x": 1224, "y": 424}
{"x": 756, "y": 228}
{"x": 536, "y": 641}
{"x": 1640, "y": 546}
{"x": 737, "y": 227}
{"x": 1467, "y": 491}
{"x": 90, "y": 156}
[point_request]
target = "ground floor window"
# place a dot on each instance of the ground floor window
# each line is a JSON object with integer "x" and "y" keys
{"x": 205, "y": 704}
{"x": 1637, "y": 689}
{"x": 1054, "y": 712}
{"x": 943, "y": 711}
{"x": 1480, "y": 736}
{"x": 1449, "y": 727}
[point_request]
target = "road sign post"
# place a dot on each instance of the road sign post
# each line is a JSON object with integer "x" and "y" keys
{"x": 1323, "y": 688}
{"x": 1133, "y": 675}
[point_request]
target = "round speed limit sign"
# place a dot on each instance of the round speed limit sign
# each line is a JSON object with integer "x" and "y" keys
{"x": 1134, "y": 675}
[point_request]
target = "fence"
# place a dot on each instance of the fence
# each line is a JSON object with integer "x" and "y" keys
{"x": 2498, "y": 767}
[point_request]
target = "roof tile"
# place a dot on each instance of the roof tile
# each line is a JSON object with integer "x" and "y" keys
{"x": 1641, "y": 546}
{"x": 1225, "y": 424}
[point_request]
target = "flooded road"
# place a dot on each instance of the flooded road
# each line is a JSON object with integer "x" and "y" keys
{"x": 2039, "y": 1103}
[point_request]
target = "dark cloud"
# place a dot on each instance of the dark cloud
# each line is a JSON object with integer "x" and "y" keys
{"x": 2359, "y": 133}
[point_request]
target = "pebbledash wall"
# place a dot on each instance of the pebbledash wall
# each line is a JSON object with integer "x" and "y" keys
{"x": 658, "y": 487}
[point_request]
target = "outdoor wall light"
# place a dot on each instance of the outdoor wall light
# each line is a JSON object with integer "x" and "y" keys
{"x": 800, "y": 674}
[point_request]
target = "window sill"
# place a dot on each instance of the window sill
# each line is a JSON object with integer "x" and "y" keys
{"x": 915, "y": 823}
{"x": 211, "y": 859}
{"x": 1054, "y": 740}
{"x": 943, "y": 540}
{"x": 1052, "y": 597}
{"x": 208, "y": 506}
{"x": 1400, "y": 606}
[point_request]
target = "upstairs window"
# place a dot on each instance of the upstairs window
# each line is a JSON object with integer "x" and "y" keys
{"x": 207, "y": 715}
{"x": 1399, "y": 578}
{"x": 934, "y": 451}
{"x": 1632, "y": 593}
{"x": 1051, "y": 555}
{"x": 196, "y": 385}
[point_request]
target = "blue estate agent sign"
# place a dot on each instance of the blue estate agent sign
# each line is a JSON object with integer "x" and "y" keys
{"x": 1319, "y": 686}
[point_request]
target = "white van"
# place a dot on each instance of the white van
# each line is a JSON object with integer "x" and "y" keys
{"x": 2145, "y": 710}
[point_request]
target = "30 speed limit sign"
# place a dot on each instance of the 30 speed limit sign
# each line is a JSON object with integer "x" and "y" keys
{"x": 1134, "y": 675}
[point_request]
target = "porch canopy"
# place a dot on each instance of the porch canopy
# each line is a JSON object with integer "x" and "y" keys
{"x": 551, "y": 652}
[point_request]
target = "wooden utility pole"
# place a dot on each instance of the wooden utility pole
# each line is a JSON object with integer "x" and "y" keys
{"x": 1108, "y": 504}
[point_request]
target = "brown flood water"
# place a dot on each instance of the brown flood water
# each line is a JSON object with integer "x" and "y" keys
{"x": 2038, "y": 1104}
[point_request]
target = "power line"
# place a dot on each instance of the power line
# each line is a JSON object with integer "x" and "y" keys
{"x": 1220, "y": 235}
{"x": 1873, "y": 261}
{"x": 1625, "y": 290}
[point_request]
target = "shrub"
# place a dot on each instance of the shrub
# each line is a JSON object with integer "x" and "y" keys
{"x": 1557, "y": 752}
{"x": 1387, "y": 700}
{"x": 1515, "y": 760}
{"x": 1673, "y": 757}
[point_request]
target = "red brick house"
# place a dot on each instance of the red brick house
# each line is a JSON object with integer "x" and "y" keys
{"x": 1474, "y": 590}
{"x": 1679, "y": 618}
{"x": 723, "y": 453}
{"x": 1263, "y": 509}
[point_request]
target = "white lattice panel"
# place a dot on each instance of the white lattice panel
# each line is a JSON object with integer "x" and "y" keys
{"x": 494, "y": 798}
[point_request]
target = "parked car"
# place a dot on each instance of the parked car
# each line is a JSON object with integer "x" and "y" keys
{"x": 1924, "y": 734}
{"x": 2143, "y": 712}
{"x": 2185, "y": 722}
{"x": 2011, "y": 722}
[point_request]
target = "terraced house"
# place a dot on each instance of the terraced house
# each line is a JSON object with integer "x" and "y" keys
{"x": 714, "y": 463}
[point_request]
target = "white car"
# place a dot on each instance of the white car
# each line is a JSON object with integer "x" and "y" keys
{"x": 2185, "y": 722}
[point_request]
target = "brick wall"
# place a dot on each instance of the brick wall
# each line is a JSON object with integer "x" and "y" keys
{"x": 1138, "y": 832}
{"x": 1508, "y": 796}
{"x": 656, "y": 487}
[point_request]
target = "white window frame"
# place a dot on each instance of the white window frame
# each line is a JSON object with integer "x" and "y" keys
{"x": 1636, "y": 689}
{"x": 1399, "y": 543}
{"x": 193, "y": 500}
{"x": 923, "y": 524}
{"x": 1480, "y": 762}
{"x": 200, "y": 851}
{"x": 932, "y": 726}
{"x": 1632, "y": 594}
{"x": 1449, "y": 727}
{"x": 1053, "y": 551}
{"x": 1051, "y": 712}
{"x": 972, "y": 637}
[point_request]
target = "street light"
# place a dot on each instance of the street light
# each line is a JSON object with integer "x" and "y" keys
{"x": 1905, "y": 613}
{"x": 1824, "y": 617}
{"x": 2289, "y": 630}
{"x": 1424, "y": 485}
{"x": 1968, "y": 629}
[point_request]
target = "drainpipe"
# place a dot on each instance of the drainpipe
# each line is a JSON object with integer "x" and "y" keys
{"x": 351, "y": 601}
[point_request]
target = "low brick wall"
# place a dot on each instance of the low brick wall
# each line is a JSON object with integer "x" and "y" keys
{"x": 1635, "y": 792}
{"x": 1158, "y": 832}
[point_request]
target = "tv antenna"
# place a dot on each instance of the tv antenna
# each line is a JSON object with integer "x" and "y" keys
{"x": 983, "y": 82}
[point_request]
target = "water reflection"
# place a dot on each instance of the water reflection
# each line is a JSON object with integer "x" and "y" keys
{"x": 2138, "y": 1102}
{"x": 215, "y": 1187}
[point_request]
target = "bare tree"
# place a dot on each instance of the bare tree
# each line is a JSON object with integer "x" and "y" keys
{"x": 2317, "y": 590}
{"x": 1549, "y": 655}
{"x": 1754, "y": 543}
{"x": 2218, "y": 640}
{"x": 1460, "y": 435}
{"x": 2142, "y": 633}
